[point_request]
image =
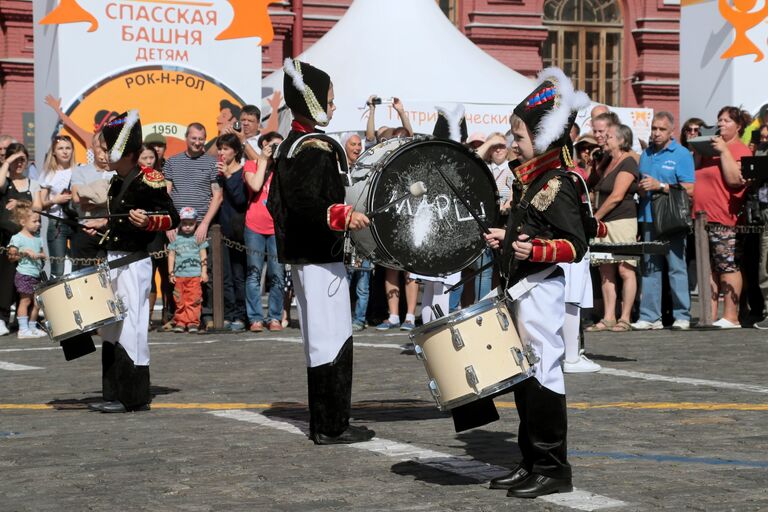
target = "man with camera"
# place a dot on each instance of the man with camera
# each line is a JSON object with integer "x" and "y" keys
{"x": 663, "y": 163}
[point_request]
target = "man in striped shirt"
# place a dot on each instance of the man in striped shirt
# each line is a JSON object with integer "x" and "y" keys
{"x": 191, "y": 179}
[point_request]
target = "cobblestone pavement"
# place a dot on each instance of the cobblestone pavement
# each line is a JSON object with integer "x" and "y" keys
{"x": 676, "y": 421}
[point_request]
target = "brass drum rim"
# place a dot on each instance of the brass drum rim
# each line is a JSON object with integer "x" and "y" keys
{"x": 490, "y": 390}
{"x": 40, "y": 288}
{"x": 458, "y": 316}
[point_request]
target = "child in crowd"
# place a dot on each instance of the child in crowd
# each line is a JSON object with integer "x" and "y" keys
{"x": 29, "y": 251}
{"x": 187, "y": 268}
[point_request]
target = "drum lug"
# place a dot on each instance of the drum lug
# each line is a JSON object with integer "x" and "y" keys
{"x": 472, "y": 379}
{"x": 458, "y": 342}
{"x": 435, "y": 390}
{"x": 68, "y": 290}
{"x": 518, "y": 356}
{"x": 503, "y": 320}
{"x": 121, "y": 306}
{"x": 531, "y": 356}
{"x": 39, "y": 301}
{"x": 78, "y": 319}
{"x": 419, "y": 352}
{"x": 103, "y": 280}
{"x": 479, "y": 320}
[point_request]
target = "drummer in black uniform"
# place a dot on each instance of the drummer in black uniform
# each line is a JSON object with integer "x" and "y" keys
{"x": 306, "y": 202}
{"x": 135, "y": 190}
{"x": 549, "y": 231}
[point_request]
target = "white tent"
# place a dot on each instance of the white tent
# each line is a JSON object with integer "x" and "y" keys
{"x": 410, "y": 50}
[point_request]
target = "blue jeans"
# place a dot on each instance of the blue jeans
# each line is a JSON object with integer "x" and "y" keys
{"x": 650, "y": 299}
{"x": 361, "y": 279}
{"x": 261, "y": 246}
{"x": 57, "y": 235}
{"x": 484, "y": 280}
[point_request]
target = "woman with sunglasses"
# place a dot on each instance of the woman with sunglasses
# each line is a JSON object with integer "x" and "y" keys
{"x": 55, "y": 195}
{"x": 15, "y": 187}
{"x": 691, "y": 129}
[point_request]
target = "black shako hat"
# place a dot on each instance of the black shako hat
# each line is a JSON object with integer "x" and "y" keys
{"x": 550, "y": 110}
{"x": 451, "y": 124}
{"x": 122, "y": 135}
{"x": 306, "y": 90}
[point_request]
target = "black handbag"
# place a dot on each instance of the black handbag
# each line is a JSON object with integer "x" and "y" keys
{"x": 672, "y": 212}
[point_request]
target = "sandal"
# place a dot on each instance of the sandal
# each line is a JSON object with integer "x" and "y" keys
{"x": 602, "y": 325}
{"x": 621, "y": 326}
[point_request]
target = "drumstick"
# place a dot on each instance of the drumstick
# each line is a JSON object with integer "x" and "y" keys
{"x": 456, "y": 192}
{"x": 117, "y": 215}
{"x": 416, "y": 189}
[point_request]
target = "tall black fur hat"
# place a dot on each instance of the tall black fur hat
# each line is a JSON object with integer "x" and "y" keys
{"x": 451, "y": 124}
{"x": 123, "y": 135}
{"x": 550, "y": 110}
{"x": 306, "y": 90}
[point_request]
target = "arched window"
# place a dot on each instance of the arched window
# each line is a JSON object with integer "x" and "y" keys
{"x": 585, "y": 40}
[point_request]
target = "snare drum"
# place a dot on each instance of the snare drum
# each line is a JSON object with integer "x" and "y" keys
{"x": 79, "y": 302}
{"x": 472, "y": 354}
{"x": 432, "y": 235}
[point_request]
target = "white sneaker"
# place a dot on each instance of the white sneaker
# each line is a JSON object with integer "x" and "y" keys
{"x": 582, "y": 365}
{"x": 726, "y": 324}
{"x": 3, "y": 328}
{"x": 681, "y": 325}
{"x": 645, "y": 325}
{"x": 29, "y": 333}
{"x": 39, "y": 333}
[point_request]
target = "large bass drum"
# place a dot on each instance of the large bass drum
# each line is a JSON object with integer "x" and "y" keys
{"x": 432, "y": 235}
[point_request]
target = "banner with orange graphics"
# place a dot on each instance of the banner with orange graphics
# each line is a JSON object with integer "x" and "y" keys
{"x": 723, "y": 49}
{"x": 176, "y": 61}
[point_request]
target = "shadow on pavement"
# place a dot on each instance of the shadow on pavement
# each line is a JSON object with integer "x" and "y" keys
{"x": 612, "y": 359}
{"x": 69, "y": 404}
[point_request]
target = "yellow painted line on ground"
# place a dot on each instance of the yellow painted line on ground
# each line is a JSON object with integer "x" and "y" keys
{"x": 213, "y": 406}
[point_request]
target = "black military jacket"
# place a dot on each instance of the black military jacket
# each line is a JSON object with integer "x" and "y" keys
{"x": 146, "y": 190}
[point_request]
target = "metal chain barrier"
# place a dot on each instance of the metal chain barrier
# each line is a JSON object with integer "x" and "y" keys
{"x": 738, "y": 229}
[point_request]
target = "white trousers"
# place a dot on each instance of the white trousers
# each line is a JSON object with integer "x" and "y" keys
{"x": 539, "y": 316}
{"x": 322, "y": 296}
{"x": 131, "y": 284}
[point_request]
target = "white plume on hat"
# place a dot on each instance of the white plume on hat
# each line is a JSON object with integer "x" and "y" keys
{"x": 554, "y": 123}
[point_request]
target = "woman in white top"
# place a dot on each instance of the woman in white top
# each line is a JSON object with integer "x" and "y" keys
{"x": 55, "y": 196}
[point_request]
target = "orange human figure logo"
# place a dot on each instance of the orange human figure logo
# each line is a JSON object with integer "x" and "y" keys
{"x": 251, "y": 19}
{"x": 69, "y": 11}
{"x": 742, "y": 19}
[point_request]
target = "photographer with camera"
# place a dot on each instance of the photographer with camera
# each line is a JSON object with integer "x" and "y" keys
{"x": 374, "y": 136}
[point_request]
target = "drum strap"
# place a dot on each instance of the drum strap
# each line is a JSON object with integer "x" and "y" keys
{"x": 127, "y": 260}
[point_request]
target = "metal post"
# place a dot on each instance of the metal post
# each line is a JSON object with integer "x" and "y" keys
{"x": 218, "y": 276}
{"x": 298, "y": 28}
{"x": 703, "y": 270}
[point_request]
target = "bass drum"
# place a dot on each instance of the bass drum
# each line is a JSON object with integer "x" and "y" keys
{"x": 432, "y": 235}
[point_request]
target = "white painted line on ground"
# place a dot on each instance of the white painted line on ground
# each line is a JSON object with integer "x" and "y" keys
{"x": 684, "y": 380}
{"x": 13, "y": 367}
{"x": 298, "y": 340}
{"x": 463, "y": 466}
{"x": 98, "y": 345}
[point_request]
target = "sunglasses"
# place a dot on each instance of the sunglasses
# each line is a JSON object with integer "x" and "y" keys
{"x": 692, "y": 129}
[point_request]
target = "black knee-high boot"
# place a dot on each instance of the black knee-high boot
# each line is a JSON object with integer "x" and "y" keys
{"x": 132, "y": 381}
{"x": 546, "y": 421}
{"x": 523, "y": 439}
{"x": 108, "y": 371}
{"x": 330, "y": 400}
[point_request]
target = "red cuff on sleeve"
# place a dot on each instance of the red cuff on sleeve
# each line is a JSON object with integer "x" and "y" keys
{"x": 158, "y": 223}
{"x": 602, "y": 229}
{"x": 339, "y": 216}
{"x": 552, "y": 251}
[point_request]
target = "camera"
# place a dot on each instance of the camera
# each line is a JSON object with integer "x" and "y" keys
{"x": 236, "y": 126}
{"x": 274, "y": 148}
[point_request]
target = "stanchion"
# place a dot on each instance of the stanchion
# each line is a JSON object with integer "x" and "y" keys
{"x": 217, "y": 245}
{"x": 703, "y": 270}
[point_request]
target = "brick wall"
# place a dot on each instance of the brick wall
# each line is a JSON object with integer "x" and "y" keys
{"x": 16, "y": 65}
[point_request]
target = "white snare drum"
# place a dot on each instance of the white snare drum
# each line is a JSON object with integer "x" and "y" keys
{"x": 79, "y": 302}
{"x": 472, "y": 354}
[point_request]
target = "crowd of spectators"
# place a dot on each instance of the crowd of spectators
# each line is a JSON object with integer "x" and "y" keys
{"x": 226, "y": 180}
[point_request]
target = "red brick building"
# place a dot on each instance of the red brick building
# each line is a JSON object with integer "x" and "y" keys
{"x": 622, "y": 52}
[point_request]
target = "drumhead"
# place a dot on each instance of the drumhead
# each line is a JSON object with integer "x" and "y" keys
{"x": 432, "y": 235}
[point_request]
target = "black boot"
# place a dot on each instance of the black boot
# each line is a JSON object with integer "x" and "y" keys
{"x": 108, "y": 383}
{"x": 543, "y": 441}
{"x": 515, "y": 477}
{"x": 131, "y": 385}
{"x": 330, "y": 401}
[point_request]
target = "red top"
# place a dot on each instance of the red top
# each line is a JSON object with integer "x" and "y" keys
{"x": 712, "y": 195}
{"x": 257, "y": 218}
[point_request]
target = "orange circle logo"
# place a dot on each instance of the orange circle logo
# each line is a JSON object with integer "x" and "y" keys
{"x": 168, "y": 100}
